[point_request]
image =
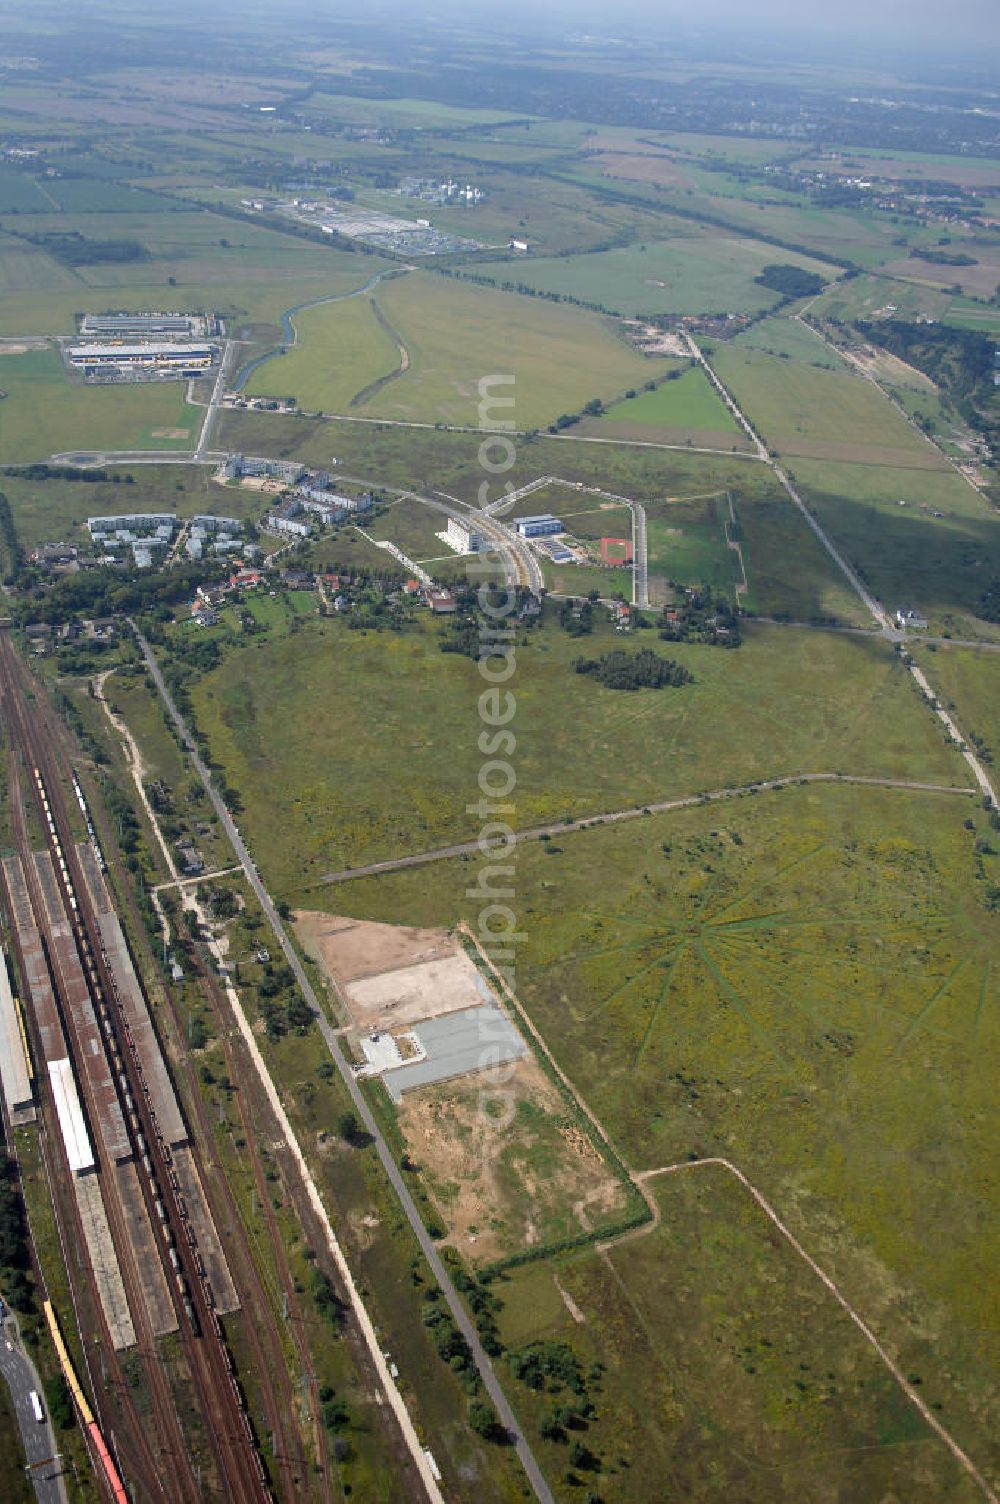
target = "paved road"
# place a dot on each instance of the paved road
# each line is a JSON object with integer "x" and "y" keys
{"x": 39, "y": 1441}
{"x": 215, "y": 402}
{"x": 640, "y": 572}
{"x": 481, "y": 1358}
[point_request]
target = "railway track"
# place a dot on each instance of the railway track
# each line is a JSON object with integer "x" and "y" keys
{"x": 144, "y": 1469}
{"x": 221, "y": 1403}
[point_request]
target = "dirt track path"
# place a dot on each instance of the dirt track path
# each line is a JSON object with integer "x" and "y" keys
{"x": 666, "y": 806}
{"x": 642, "y": 1176}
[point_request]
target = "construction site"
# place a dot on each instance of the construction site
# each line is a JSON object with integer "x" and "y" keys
{"x": 505, "y": 1160}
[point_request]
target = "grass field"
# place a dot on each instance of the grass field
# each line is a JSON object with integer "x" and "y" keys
{"x": 43, "y": 412}
{"x": 789, "y": 340}
{"x": 454, "y": 334}
{"x": 938, "y": 551}
{"x": 695, "y": 273}
{"x": 26, "y": 268}
{"x": 423, "y": 113}
{"x": 865, "y": 238}
{"x": 689, "y": 403}
{"x": 583, "y": 579}
{"x": 338, "y": 764}
{"x": 801, "y": 983}
{"x": 341, "y": 349}
{"x": 413, "y": 527}
{"x": 686, "y": 542}
{"x": 831, "y": 415}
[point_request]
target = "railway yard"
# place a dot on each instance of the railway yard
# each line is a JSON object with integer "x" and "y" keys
{"x": 157, "y": 1278}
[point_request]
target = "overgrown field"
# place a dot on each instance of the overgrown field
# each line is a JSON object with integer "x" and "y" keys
{"x": 346, "y": 747}
{"x": 805, "y": 984}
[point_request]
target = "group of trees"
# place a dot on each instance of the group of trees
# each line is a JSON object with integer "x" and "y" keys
{"x": 790, "y": 281}
{"x": 642, "y": 670}
{"x": 959, "y": 361}
{"x": 74, "y": 249}
{"x": 107, "y": 592}
{"x": 553, "y": 1368}
{"x": 15, "y": 1263}
{"x": 11, "y": 552}
{"x": 988, "y": 606}
{"x": 282, "y": 1005}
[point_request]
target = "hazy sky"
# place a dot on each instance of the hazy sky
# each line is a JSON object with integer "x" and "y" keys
{"x": 909, "y": 21}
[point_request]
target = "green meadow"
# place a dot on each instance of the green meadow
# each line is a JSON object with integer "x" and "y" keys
{"x": 324, "y": 733}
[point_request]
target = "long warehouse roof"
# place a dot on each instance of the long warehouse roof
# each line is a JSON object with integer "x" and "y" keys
{"x": 74, "y": 1130}
{"x": 13, "y": 1065}
{"x": 119, "y": 352}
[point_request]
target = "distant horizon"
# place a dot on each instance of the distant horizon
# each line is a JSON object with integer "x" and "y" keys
{"x": 900, "y": 30}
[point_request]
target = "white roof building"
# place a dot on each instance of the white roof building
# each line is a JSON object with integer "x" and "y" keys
{"x": 75, "y": 1137}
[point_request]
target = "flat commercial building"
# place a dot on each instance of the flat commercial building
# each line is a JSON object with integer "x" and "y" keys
{"x": 15, "y": 1073}
{"x": 143, "y": 326}
{"x": 540, "y": 526}
{"x": 156, "y": 352}
{"x": 157, "y": 358}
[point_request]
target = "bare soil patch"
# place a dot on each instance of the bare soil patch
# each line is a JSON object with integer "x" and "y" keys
{"x": 391, "y": 976}
{"x": 352, "y": 948}
{"x": 505, "y": 1164}
{"x": 653, "y": 341}
{"x": 170, "y": 433}
{"x": 643, "y": 167}
{"x": 394, "y": 999}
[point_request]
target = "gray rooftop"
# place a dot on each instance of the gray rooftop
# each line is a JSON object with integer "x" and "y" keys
{"x": 472, "y": 1039}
